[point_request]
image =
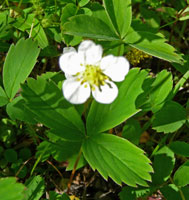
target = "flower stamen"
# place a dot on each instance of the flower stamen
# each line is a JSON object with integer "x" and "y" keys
{"x": 94, "y": 76}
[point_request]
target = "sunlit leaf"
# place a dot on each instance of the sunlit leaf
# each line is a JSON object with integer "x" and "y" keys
{"x": 16, "y": 109}
{"x": 181, "y": 176}
{"x": 3, "y": 97}
{"x": 120, "y": 14}
{"x": 10, "y": 189}
{"x": 152, "y": 44}
{"x": 35, "y": 188}
{"x": 46, "y": 101}
{"x": 31, "y": 25}
{"x": 117, "y": 158}
{"x": 102, "y": 117}
{"x": 19, "y": 62}
{"x": 156, "y": 90}
{"x": 89, "y": 26}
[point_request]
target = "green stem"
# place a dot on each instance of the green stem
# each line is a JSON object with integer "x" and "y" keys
{"x": 119, "y": 50}
{"x": 158, "y": 146}
{"x": 20, "y": 3}
{"x": 55, "y": 2}
{"x": 179, "y": 84}
{"x": 180, "y": 191}
{"x": 177, "y": 19}
{"x": 147, "y": 125}
{"x": 167, "y": 24}
{"x": 7, "y": 2}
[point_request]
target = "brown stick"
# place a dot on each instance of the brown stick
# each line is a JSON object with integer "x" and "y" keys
{"x": 73, "y": 172}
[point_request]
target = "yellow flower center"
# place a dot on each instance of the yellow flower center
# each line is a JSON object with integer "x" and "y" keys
{"x": 92, "y": 75}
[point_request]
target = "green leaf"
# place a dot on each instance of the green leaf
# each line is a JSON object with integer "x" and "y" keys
{"x": 83, "y": 2}
{"x": 171, "y": 192}
{"x": 4, "y": 47}
{"x": 132, "y": 131}
{"x": 31, "y": 25}
{"x": 25, "y": 153}
{"x": 19, "y": 62}
{"x": 170, "y": 118}
{"x": 35, "y": 188}
{"x": 102, "y": 117}
{"x": 133, "y": 193}
{"x": 164, "y": 157}
{"x": 152, "y": 44}
{"x": 185, "y": 14}
{"x": 55, "y": 196}
{"x": 71, "y": 162}
{"x": 117, "y": 158}
{"x": 149, "y": 17}
{"x": 17, "y": 109}
{"x": 3, "y": 97}
{"x": 161, "y": 88}
{"x": 68, "y": 11}
{"x": 99, "y": 12}
{"x": 46, "y": 101}
{"x": 156, "y": 91}
{"x": 60, "y": 150}
{"x": 180, "y": 148}
{"x": 39, "y": 35}
{"x": 89, "y": 26}
{"x": 184, "y": 67}
{"x": 10, "y": 155}
{"x": 120, "y": 14}
{"x": 181, "y": 176}
{"x": 10, "y": 189}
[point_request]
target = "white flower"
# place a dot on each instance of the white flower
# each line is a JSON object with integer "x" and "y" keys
{"x": 86, "y": 71}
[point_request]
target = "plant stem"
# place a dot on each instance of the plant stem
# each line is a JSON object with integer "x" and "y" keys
{"x": 50, "y": 163}
{"x": 7, "y": 2}
{"x": 73, "y": 172}
{"x": 167, "y": 24}
{"x": 20, "y": 3}
{"x": 159, "y": 145}
{"x": 55, "y": 3}
{"x": 177, "y": 18}
{"x": 179, "y": 84}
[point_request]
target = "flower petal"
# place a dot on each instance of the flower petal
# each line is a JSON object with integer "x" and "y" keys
{"x": 115, "y": 67}
{"x": 68, "y": 49}
{"x": 107, "y": 94}
{"x": 74, "y": 92}
{"x": 71, "y": 62}
{"x": 92, "y": 52}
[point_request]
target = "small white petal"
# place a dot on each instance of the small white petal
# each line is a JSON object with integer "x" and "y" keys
{"x": 74, "y": 92}
{"x": 71, "y": 63}
{"x": 115, "y": 67}
{"x": 107, "y": 94}
{"x": 91, "y": 52}
{"x": 68, "y": 49}
{"x": 68, "y": 76}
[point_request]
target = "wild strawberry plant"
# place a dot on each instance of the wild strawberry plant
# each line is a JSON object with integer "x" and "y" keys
{"x": 75, "y": 95}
